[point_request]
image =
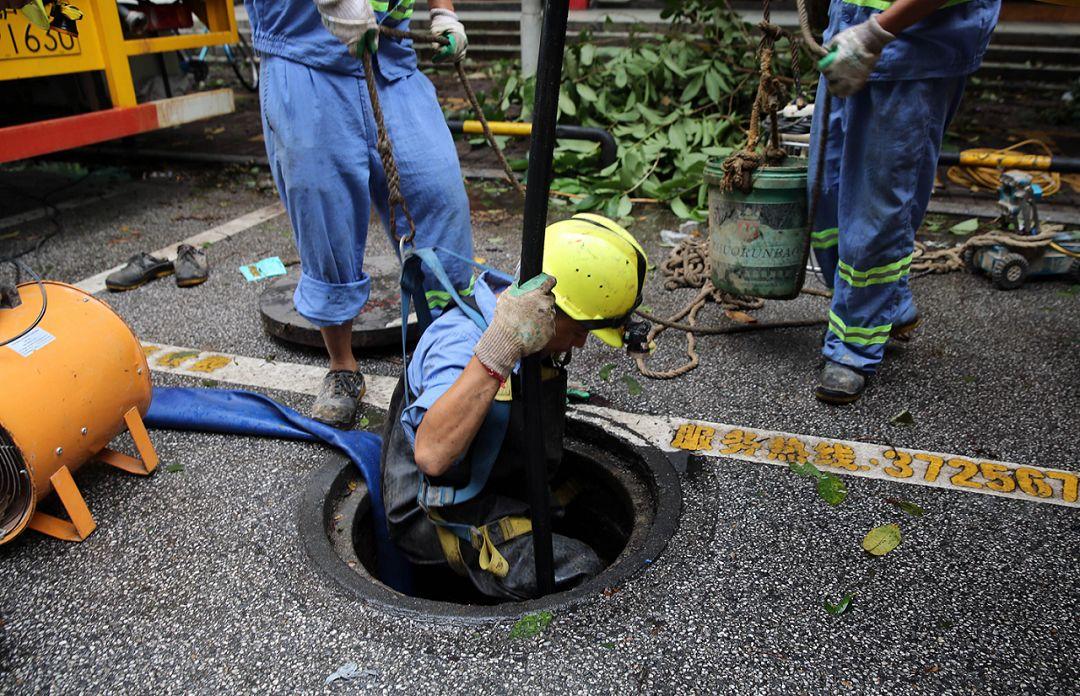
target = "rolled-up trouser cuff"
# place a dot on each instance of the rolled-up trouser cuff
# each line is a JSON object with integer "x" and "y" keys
{"x": 330, "y": 304}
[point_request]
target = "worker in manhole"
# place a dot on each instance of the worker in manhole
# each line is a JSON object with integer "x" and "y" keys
{"x": 453, "y": 463}
{"x": 321, "y": 141}
{"x": 895, "y": 80}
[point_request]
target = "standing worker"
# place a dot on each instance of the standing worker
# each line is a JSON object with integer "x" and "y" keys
{"x": 321, "y": 141}
{"x": 453, "y": 458}
{"x": 895, "y": 81}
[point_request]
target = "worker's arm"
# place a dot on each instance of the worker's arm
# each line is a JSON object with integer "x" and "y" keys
{"x": 903, "y": 13}
{"x": 856, "y": 50}
{"x": 449, "y": 426}
{"x": 523, "y": 324}
{"x": 444, "y": 22}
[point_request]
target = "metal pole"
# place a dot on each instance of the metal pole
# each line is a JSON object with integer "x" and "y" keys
{"x": 530, "y": 36}
{"x": 545, "y": 113}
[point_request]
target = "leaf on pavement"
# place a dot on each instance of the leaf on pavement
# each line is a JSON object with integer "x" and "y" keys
{"x": 965, "y": 227}
{"x": 907, "y": 506}
{"x": 841, "y": 606}
{"x": 174, "y": 468}
{"x": 605, "y": 371}
{"x": 903, "y": 418}
{"x": 531, "y": 624}
{"x": 881, "y": 540}
{"x": 632, "y": 385}
{"x": 741, "y": 317}
{"x": 831, "y": 489}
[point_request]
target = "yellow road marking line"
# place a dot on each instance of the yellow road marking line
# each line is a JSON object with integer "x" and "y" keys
{"x": 96, "y": 283}
{"x": 714, "y": 440}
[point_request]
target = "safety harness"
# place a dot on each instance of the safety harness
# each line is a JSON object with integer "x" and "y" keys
{"x": 485, "y": 447}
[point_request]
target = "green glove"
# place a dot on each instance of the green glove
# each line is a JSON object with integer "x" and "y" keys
{"x": 445, "y": 23}
{"x": 523, "y": 324}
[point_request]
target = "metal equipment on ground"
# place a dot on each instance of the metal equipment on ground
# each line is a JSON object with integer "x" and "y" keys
{"x": 73, "y": 377}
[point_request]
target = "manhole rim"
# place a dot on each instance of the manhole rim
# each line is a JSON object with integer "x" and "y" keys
{"x": 320, "y": 551}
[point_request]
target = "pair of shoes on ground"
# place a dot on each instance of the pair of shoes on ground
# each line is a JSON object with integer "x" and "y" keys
{"x": 339, "y": 398}
{"x": 191, "y": 268}
{"x": 840, "y": 384}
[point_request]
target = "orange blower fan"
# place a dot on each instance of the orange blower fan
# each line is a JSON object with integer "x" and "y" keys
{"x": 72, "y": 377}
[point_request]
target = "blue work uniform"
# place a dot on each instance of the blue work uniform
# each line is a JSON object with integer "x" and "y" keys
{"x": 880, "y": 160}
{"x": 321, "y": 141}
{"x": 499, "y": 507}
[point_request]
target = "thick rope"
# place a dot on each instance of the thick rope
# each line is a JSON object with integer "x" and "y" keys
{"x": 688, "y": 267}
{"x": 427, "y": 37}
{"x": 386, "y": 154}
{"x": 739, "y": 167}
{"x": 926, "y": 262}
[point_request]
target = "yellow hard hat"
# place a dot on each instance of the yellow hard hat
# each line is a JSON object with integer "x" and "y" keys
{"x": 600, "y": 269}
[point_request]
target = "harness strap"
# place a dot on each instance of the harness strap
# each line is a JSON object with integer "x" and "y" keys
{"x": 484, "y": 539}
{"x": 485, "y": 450}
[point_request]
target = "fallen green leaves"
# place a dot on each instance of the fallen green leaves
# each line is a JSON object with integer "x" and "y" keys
{"x": 965, "y": 227}
{"x": 829, "y": 487}
{"x": 632, "y": 385}
{"x": 840, "y": 607}
{"x": 174, "y": 468}
{"x": 881, "y": 540}
{"x": 605, "y": 371}
{"x": 907, "y": 506}
{"x": 903, "y": 418}
{"x": 531, "y": 624}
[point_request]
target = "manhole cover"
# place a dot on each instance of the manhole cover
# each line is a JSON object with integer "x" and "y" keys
{"x": 377, "y": 327}
{"x": 627, "y": 509}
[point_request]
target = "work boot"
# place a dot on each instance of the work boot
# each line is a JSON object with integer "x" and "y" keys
{"x": 906, "y": 331}
{"x": 839, "y": 384}
{"x": 191, "y": 266}
{"x": 141, "y": 268}
{"x": 337, "y": 400}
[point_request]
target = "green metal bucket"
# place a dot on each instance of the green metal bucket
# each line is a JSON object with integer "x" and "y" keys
{"x": 758, "y": 241}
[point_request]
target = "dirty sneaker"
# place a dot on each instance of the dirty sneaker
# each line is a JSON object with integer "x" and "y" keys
{"x": 337, "y": 400}
{"x": 141, "y": 268}
{"x": 191, "y": 265}
{"x": 839, "y": 384}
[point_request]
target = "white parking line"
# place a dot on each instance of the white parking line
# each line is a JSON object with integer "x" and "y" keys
{"x": 713, "y": 440}
{"x": 96, "y": 283}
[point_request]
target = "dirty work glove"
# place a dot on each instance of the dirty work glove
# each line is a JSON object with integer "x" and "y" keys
{"x": 524, "y": 322}
{"x": 853, "y": 54}
{"x": 445, "y": 22}
{"x": 352, "y": 22}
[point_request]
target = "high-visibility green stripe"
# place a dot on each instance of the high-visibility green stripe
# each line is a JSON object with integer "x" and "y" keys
{"x": 437, "y": 299}
{"x": 886, "y": 4}
{"x": 874, "y": 276}
{"x": 824, "y": 239}
{"x": 877, "y": 270}
{"x": 380, "y": 6}
{"x": 858, "y": 335}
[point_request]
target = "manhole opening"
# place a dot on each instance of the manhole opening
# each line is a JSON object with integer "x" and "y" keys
{"x": 625, "y": 508}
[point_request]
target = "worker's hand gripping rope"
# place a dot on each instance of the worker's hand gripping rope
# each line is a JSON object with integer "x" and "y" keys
{"x": 523, "y": 324}
{"x": 352, "y": 22}
{"x": 853, "y": 53}
{"x": 445, "y": 23}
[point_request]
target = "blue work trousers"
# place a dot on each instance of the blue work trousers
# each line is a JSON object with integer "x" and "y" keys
{"x": 321, "y": 140}
{"x": 880, "y": 160}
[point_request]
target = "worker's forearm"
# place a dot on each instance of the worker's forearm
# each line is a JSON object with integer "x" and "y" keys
{"x": 444, "y": 4}
{"x": 903, "y": 13}
{"x": 449, "y": 426}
